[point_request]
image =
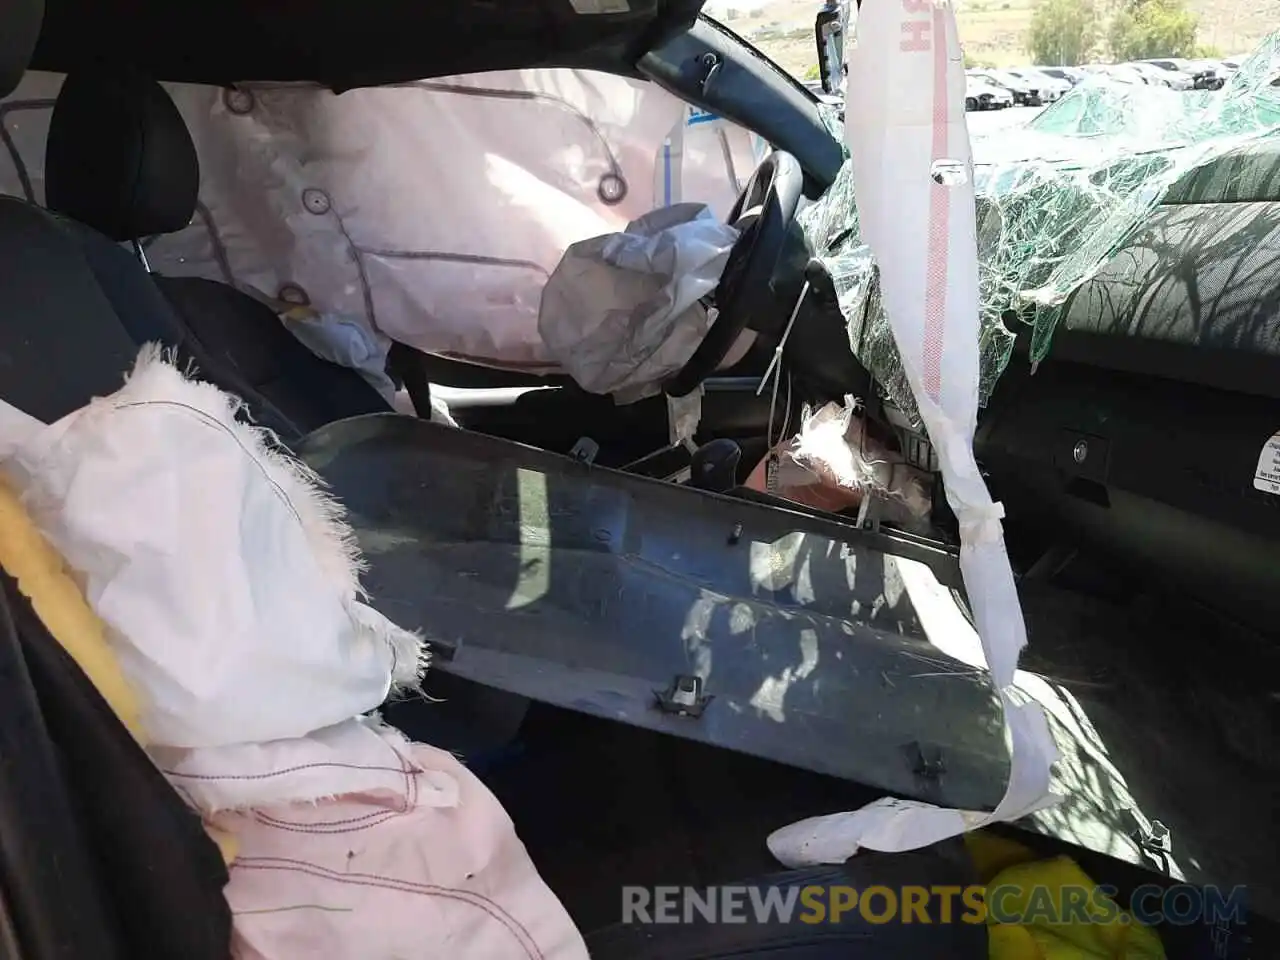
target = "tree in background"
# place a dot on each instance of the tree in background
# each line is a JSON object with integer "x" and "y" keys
{"x": 1143, "y": 29}
{"x": 1063, "y": 32}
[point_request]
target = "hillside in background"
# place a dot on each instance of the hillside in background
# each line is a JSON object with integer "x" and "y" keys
{"x": 992, "y": 31}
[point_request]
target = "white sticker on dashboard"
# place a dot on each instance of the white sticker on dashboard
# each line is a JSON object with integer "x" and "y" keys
{"x": 1267, "y": 477}
{"x": 600, "y": 6}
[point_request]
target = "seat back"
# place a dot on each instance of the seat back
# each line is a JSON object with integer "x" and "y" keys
{"x": 63, "y": 339}
{"x": 241, "y": 336}
{"x": 75, "y": 306}
{"x": 99, "y": 857}
{"x": 152, "y": 872}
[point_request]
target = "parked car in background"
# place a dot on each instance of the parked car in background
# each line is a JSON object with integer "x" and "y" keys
{"x": 1208, "y": 74}
{"x": 1024, "y": 93}
{"x": 1051, "y": 88}
{"x": 1119, "y": 73}
{"x": 982, "y": 94}
{"x": 1071, "y": 75}
{"x": 1181, "y": 73}
{"x": 1160, "y": 76}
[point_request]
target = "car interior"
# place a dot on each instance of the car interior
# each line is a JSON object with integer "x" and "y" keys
{"x": 75, "y": 281}
{"x": 1181, "y": 381}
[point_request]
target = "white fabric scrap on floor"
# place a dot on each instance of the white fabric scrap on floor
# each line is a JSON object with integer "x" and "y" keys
{"x": 228, "y": 583}
{"x": 914, "y": 185}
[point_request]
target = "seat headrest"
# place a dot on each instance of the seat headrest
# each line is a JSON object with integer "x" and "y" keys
{"x": 19, "y": 30}
{"x": 119, "y": 157}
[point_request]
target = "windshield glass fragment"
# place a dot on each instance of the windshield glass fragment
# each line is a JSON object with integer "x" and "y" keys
{"x": 1060, "y": 196}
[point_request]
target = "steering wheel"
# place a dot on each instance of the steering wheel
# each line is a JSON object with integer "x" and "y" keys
{"x": 763, "y": 214}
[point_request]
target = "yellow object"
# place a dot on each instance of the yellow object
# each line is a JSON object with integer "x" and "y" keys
{"x": 43, "y": 578}
{"x": 228, "y": 846}
{"x": 1118, "y": 937}
{"x": 990, "y": 853}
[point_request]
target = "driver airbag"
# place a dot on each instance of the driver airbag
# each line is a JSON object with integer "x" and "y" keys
{"x": 624, "y": 311}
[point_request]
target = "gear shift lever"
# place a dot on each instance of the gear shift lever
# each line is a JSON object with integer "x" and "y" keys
{"x": 715, "y": 466}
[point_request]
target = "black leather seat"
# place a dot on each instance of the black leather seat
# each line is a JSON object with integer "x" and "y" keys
{"x": 121, "y": 160}
{"x": 99, "y": 857}
{"x": 75, "y": 306}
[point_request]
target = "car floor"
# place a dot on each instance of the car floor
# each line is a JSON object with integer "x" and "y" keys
{"x": 601, "y": 805}
{"x": 1182, "y": 706}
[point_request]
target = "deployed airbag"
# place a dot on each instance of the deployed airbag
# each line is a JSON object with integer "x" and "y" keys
{"x": 165, "y": 507}
{"x": 430, "y": 212}
{"x": 624, "y": 311}
{"x": 228, "y": 585}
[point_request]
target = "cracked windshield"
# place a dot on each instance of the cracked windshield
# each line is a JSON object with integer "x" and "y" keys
{"x": 1088, "y": 120}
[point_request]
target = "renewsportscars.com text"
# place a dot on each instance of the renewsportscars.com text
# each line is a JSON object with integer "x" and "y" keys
{"x": 1150, "y": 904}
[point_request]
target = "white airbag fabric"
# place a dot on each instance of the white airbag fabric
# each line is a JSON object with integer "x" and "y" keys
{"x": 211, "y": 559}
{"x": 346, "y": 342}
{"x": 425, "y": 865}
{"x": 227, "y": 583}
{"x": 431, "y": 212}
{"x": 622, "y": 312}
{"x": 913, "y": 170}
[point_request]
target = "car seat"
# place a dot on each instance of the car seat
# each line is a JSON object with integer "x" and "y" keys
{"x": 120, "y": 159}
{"x": 99, "y": 858}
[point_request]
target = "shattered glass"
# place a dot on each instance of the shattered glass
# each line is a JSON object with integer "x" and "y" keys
{"x": 1057, "y": 198}
{"x": 832, "y": 118}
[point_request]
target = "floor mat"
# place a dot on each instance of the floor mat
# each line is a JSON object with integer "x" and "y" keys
{"x": 601, "y": 805}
